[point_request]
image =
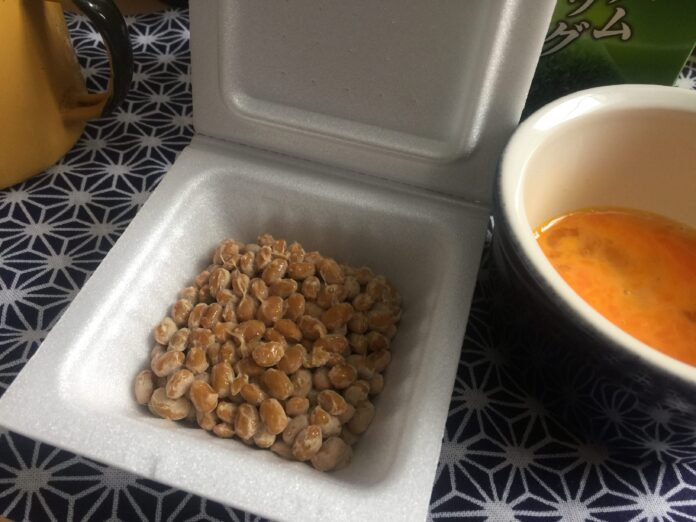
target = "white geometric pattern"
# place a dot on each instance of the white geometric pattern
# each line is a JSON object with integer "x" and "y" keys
{"x": 504, "y": 455}
{"x": 687, "y": 78}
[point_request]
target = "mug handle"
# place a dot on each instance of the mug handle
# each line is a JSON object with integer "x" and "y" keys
{"x": 110, "y": 23}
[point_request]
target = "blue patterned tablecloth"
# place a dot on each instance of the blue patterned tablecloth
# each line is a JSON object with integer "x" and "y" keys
{"x": 504, "y": 457}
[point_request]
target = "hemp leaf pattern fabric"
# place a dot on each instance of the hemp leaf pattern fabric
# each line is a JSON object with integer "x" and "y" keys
{"x": 504, "y": 457}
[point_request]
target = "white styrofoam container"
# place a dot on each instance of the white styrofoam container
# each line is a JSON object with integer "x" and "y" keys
{"x": 369, "y": 131}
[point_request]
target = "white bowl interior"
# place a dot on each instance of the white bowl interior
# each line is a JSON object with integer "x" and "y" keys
{"x": 620, "y": 146}
{"x": 641, "y": 158}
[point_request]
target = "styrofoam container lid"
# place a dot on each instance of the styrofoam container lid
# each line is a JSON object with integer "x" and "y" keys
{"x": 424, "y": 93}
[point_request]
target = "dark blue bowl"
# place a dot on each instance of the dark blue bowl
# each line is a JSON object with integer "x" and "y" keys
{"x": 623, "y": 146}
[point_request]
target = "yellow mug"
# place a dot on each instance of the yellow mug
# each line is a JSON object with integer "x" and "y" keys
{"x": 44, "y": 104}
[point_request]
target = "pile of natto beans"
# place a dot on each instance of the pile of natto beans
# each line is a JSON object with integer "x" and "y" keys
{"x": 282, "y": 348}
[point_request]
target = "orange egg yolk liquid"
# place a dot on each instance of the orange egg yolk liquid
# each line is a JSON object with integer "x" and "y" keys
{"x": 635, "y": 268}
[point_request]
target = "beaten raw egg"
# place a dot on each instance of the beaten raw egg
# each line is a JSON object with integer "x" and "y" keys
{"x": 635, "y": 268}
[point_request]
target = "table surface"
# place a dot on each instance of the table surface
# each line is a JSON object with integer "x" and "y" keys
{"x": 504, "y": 457}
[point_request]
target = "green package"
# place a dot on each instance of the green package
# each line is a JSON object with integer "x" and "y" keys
{"x": 602, "y": 42}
